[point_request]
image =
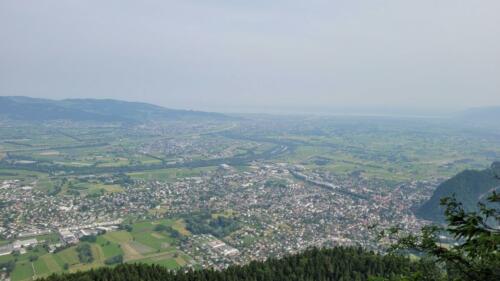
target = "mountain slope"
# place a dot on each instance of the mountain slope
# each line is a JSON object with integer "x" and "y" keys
{"x": 469, "y": 187}
{"x": 27, "y": 109}
{"x": 97, "y": 110}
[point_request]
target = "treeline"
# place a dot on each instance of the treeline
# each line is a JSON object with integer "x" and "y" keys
{"x": 8, "y": 266}
{"x": 204, "y": 223}
{"x": 168, "y": 230}
{"x": 114, "y": 260}
{"x": 344, "y": 264}
{"x": 85, "y": 253}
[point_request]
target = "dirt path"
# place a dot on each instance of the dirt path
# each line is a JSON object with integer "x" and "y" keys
{"x": 34, "y": 271}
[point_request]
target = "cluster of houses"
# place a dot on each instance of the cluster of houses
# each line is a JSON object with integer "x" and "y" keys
{"x": 281, "y": 209}
{"x": 222, "y": 248}
{"x": 211, "y": 252}
{"x": 20, "y": 246}
{"x": 67, "y": 236}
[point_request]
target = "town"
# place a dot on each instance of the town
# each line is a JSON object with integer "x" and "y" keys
{"x": 278, "y": 209}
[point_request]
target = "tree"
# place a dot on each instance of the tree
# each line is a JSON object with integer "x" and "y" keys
{"x": 8, "y": 266}
{"x": 84, "y": 253}
{"x": 88, "y": 238}
{"x": 476, "y": 256}
{"x": 126, "y": 227}
{"x": 114, "y": 260}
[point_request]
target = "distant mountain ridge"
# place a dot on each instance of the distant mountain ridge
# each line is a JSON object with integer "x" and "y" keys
{"x": 96, "y": 110}
{"x": 481, "y": 116}
{"x": 469, "y": 187}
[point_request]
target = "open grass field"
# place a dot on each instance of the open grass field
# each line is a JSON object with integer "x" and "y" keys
{"x": 23, "y": 271}
{"x": 109, "y": 248}
{"x": 59, "y": 260}
{"x": 141, "y": 242}
{"x": 97, "y": 253}
{"x": 69, "y": 256}
{"x": 169, "y": 260}
{"x": 118, "y": 236}
{"x": 110, "y": 188}
{"x": 141, "y": 248}
{"x": 115, "y": 162}
{"x": 393, "y": 156}
{"x": 180, "y": 226}
{"x": 41, "y": 267}
{"x": 153, "y": 240}
{"x": 124, "y": 241}
{"x": 130, "y": 253}
{"x": 9, "y": 174}
{"x": 74, "y": 147}
{"x": 51, "y": 264}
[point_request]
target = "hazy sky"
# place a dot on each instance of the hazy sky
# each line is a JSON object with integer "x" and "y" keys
{"x": 224, "y": 55}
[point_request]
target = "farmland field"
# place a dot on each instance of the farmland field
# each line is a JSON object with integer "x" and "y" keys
{"x": 142, "y": 244}
{"x": 110, "y": 249}
{"x": 23, "y": 271}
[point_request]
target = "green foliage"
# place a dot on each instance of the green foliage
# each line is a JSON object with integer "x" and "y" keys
{"x": 168, "y": 229}
{"x": 126, "y": 227}
{"x": 203, "y": 223}
{"x": 89, "y": 238}
{"x": 477, "y": 255}
{"x": 85, "y": 253}
{"x": 123, "y": 179}
{"x": 276, "y": 183}
{"x": 8, "y": 266}
{"x": 56, "y": 190}
{"x": 114, "y": 260}
{"x": 467, "y": 187}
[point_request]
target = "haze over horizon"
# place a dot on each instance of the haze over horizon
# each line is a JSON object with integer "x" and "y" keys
{"x": 258, "y": 56}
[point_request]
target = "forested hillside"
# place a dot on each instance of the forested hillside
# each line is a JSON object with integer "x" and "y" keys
{"x": 327, "y": 264}
{"x": 469, "y": 187}
{"x": 95, "y": 110}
